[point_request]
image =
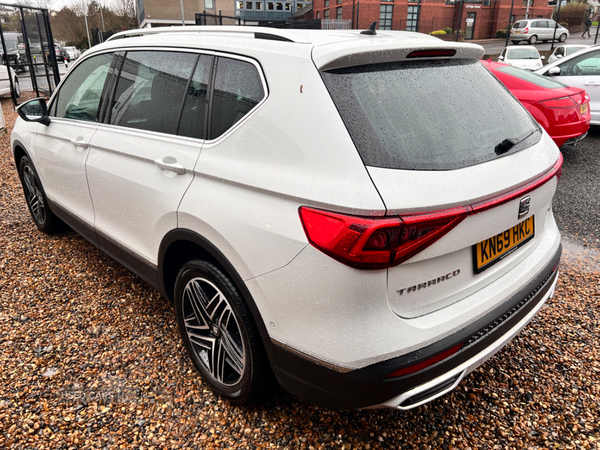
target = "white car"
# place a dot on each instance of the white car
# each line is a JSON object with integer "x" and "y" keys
{"x": 539, "y": 29}
{"x": 342, "y": 210}
{"x": 565, "y": 50}
{"x": 73, "y": 53}
{"x": 522, "y": 56}
{"x": 582, "y": 70}
{"x": 5, "y": 88}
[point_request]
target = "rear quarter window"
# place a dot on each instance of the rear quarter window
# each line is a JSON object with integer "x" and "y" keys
{"x": 427, "y": 115}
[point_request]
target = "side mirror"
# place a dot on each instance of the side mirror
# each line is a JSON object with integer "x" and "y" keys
{"x": 554, "y": 71}
{"x": 543, "y": 57}
{"x": 500, "y": 58}
{"x": 34, "y": 111}
{"x": 558, "y": 56}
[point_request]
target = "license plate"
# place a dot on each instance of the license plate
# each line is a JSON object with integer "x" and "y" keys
{"x": 516, "y": 32}
{"x": 489, "y": 252}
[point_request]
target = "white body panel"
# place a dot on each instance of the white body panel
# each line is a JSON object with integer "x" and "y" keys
{"x": 62, "y": 165}
{"x": 135, "y": 200}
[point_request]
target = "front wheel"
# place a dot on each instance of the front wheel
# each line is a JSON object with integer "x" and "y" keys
{"x": 35, "y": 196}
{"x": 218, "y": 332}
{"x": 563, "y": 37}
{"x": 533, "y": 39}
{"x": 17, "y": 88}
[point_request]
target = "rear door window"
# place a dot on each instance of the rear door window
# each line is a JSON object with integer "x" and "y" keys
{"x": 428, "y": 115}
{"x": 151, "y": 88}
{"x": 238, "y": 88}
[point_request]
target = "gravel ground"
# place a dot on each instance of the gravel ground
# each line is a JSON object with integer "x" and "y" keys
{"x": 91, "y": 358}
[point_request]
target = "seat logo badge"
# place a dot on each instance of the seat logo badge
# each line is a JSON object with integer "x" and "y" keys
{"x": 524, "y": 206}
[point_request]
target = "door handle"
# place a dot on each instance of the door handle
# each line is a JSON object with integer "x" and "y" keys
{"x": 169, "y": 163}
{"x": 79, "y": 143}
{"x": 591, "y": 83}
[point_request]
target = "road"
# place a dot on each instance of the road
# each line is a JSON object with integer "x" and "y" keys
{"x": 495, "y": 46}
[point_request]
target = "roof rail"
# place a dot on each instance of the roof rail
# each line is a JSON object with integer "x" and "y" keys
{"x": 256, "y": 32}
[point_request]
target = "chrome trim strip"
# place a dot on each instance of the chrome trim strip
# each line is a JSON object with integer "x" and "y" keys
{"x": 466, "y": 367}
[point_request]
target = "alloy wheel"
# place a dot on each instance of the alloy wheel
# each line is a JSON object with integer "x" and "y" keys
{"x": 33, "y": 195}
{"x": 213, "y": 331}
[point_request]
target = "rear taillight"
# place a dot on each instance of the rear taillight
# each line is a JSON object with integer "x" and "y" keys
{"x": 376, "y": 243}
{"x": 526, "y": 30}
{"x": 562, "y": 103}
{"x": 431, "y": 53}
{"x": 383, "y": 242}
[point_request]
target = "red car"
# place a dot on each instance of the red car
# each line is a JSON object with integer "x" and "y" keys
{"x": 563, "y": 111}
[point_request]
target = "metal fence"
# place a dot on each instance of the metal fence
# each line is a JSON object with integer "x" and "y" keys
{"x": 28, "y": 53}
{"x": 336, "y": 24}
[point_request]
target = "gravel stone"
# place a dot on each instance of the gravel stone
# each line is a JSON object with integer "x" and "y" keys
{"x": 91, "y": 359}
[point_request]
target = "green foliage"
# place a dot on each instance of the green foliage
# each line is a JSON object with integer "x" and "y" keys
{"x": 448, "y": 30}
{"x": 501, "y": 33}
{"x": 573, "y": 14}
{"x": 437, "y": 32}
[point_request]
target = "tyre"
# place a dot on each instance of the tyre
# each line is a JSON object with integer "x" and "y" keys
{"x": 515, "y": 42}
{"x": 37, "y": 203}
{"x": 17, "y": 88}
{"x": 533, "y": 39}
{"x": 563, "y": 37}
{"x": 218, "y": 332}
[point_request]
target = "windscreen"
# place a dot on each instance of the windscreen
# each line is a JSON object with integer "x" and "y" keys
{"x": 522, "y": 53}
{"x": 428, "y": 115}
{"x": 534, "y": 78}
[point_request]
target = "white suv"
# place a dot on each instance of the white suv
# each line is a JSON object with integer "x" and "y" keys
{"x": 365, "y": 216}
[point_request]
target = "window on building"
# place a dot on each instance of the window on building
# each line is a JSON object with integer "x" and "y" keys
{"x": 339, "y": 2}
{"x": 412, "y": 18}
{"x": 240, "y": 5}
{"x": 385, "y": 17}
{"x": 318, "y": 14}
{"x": 338, "y": 13}
{"x": 208, "y": 4}
{"x": 279, "y": 6}
{"x": 326, "y": 14}
{"x": 299, "y": 6}
{"x": 258, "y": 6}
{"x": 530, "y": 2}
{"x": 326, "y": 3}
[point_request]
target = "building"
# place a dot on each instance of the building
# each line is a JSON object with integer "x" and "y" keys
{"x": 478, "y": 19}
{"x": 161, "y": 13}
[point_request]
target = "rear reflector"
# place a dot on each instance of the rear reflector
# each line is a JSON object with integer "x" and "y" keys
{"x": 383, "y": 242}
{"x": 431, "y": 53}
{"x": 424, "y": 364}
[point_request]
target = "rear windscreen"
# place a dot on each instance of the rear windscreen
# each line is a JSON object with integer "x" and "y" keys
{"x": 428, "y": 115}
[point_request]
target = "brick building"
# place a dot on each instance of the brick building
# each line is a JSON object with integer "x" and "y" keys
{"x": 479, "y": 19}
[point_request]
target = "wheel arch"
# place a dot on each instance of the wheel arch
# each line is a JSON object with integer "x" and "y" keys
{"x": 181, "y": 245}
{"x": 18, "y": 153}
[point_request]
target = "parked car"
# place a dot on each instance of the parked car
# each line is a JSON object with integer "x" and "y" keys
{"x": 563, "y": 111}
{"x": 524, "y": 57}
{"x": 72, "y": 52}
{"x": 371, "y": 254}
{"x": 15, "y": 48}
{"x": 5, "y": 88}
{"x": 565, "y": 50}
{"x": 533, "y": 30}
{"x": 61, "y": 53}
{"x": 582, "y": 70}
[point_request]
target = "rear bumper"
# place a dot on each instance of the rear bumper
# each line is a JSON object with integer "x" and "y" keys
{"x": 369, "y": 388}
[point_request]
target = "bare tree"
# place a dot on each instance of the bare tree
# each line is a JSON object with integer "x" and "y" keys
{"x": 125, "y": 10}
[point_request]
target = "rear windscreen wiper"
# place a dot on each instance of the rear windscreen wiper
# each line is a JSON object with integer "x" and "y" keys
{"x": 509, "y": 143}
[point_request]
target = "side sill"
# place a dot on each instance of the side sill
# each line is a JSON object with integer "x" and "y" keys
{"x": 142, "y": 268}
